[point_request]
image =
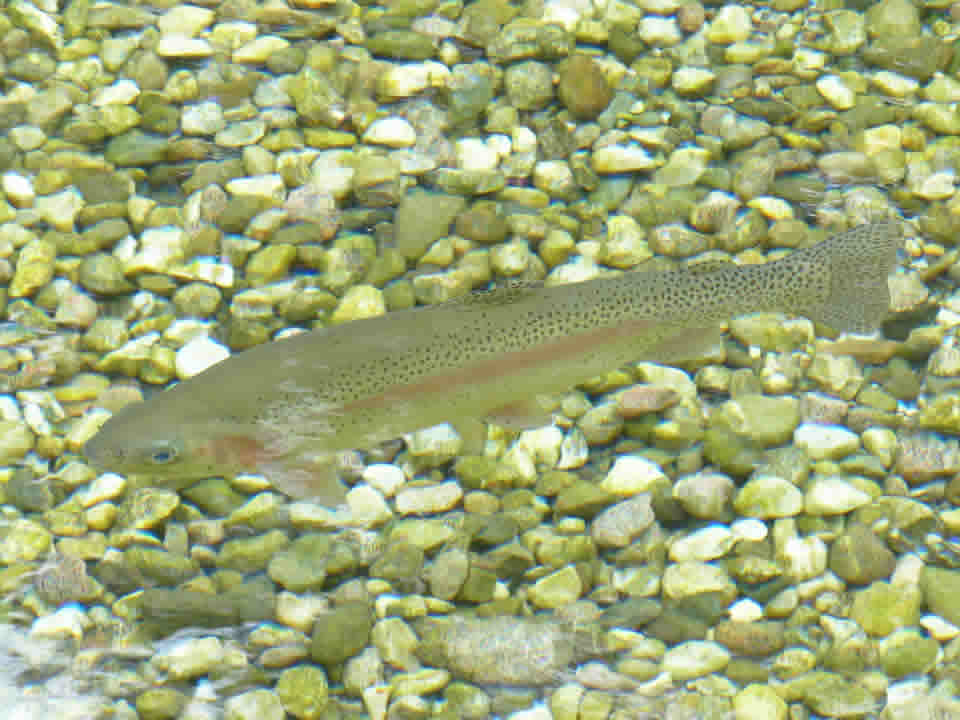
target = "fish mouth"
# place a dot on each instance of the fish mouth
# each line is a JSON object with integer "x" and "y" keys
{"x": 94, "y": 451}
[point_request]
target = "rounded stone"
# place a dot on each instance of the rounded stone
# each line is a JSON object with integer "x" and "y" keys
{"x": 303, "y": 692}
{"x": 582, "y": 87}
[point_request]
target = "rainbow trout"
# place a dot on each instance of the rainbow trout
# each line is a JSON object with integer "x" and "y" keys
{"x": 286, "y": 408}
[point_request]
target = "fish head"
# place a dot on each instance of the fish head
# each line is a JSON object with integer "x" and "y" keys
{"x": 138, "y": 440}
{"x": 130, "y": 447}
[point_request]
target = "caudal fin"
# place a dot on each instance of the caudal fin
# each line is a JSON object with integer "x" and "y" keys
{"x": 858, "y": 262}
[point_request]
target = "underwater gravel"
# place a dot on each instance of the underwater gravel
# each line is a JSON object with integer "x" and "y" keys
{"x": 767, "y": 532}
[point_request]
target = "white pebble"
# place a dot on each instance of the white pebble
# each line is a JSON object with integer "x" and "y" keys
{"x": 618, "y": 158}
{"x": 475, "y": 154}
{"x": 68, "y": 621}
{"x": 384, "y": 477}
{"x": 367, "y": 506}
{"x": 836, "y": 92}
{"x": 632, "y": 474}
{"x": 428, "y": 499}
{"x": 199, "y": 354}
{"x": 190, "y": 657}
{"x": 391, "y": 131}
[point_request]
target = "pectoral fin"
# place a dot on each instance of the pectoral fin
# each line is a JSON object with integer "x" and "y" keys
{"x": 313, "y": 478}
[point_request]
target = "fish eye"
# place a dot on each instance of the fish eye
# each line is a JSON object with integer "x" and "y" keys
{"x": 163, "y": 454}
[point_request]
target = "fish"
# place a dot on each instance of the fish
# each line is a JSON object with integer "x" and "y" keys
{"x": 286, "y": 409}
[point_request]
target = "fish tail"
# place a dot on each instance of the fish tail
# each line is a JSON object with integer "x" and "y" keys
{"x": 857, "y": 263}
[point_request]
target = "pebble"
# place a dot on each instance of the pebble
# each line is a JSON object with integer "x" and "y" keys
{"x": 205, "y": 118}
{"x": 836, "y": 92}
{"x": 18, "y": 189}
{"x": 392, "y": 131}
{"x": 703, "y": 545}
{"x": 633, "y": 474}
{"x": 833, "y": 496}
{"x": 619, "y": 158}
{"x": 190, "y": 657}
{"x": 475, "y": 154}
{"x": 199, "y": 354}
{"x": 259, "y": 50}
{"x": 705, "y": 495}
{"x": 621, "y": 524}
{"x": 254, "y": 705}
{"x": 730, "y": 25}
{"x": 183, "y": 47}
{"x": 428, "y": 499}
{"x": 768, "y": 496}
{"x": 826, "y": 442}
{"x": 659, "y": 31}
{"x": 386, "y": 478}
{"x": 368, "y": 508}
{"x": 695, "y": 658}
{"x": 687, "y": 579}
{"x": 67, "y": 622}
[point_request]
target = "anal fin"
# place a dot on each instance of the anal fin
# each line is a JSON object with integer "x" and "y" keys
{"x": 473, "y": 435}
{"x": 686, "y": 344}
{"x": 527, "y": 414}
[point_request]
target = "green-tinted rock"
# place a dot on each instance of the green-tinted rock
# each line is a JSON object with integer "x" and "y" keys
{"x": 270, "y": 264}
{"x": 400, "y": 562}
{"x": 422, "y": 218}
{"x": 484, "y": 222}
{"x": 529, "y": 85}
{"x": 169, "y": 610}
{"x": 99, "y": 186}
{"x": 136, "y": 149}
{"x": 906, "y": 652}
{"x": 34, "y": 268}
{"x": 766, "y": 421}
{"x": 303, "y": 565}
{"x": 216, "y": 497}
{"x": 251, "y": 554}
{"x": 768, "y": 496}
{"x": 197, "y": 299}
{"x": 402, "y": 45}
{"x": 882, "y": 608}
{"x": 146, "y": 507}
{"x": 448, "y": 573}
{"x": 16, "y": 440}
{"x": 303, "y": 692}
{"x": 583, "y": 88}
{"x": 889, "y": 18}
{"x": 161, "y": 703}
{"x": 831, "y": 695}
{"x": 103, "y": 274}
{"x": 755, "y": 639}
{"x": 917, "y": 56}
{"x": 28, "y": 493}
{"x": 471, "y": 88}
{"x": 860, "y": 557}
{"x": 941, "y": 412}
{"x": 479, "y": 585}
{"x": 341, "y": 633}
{"x": 66, "y": 580}
{"x": 941, "y": 592}
{"x": 163, "y": 567}
{"x": 582, "y": 499}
